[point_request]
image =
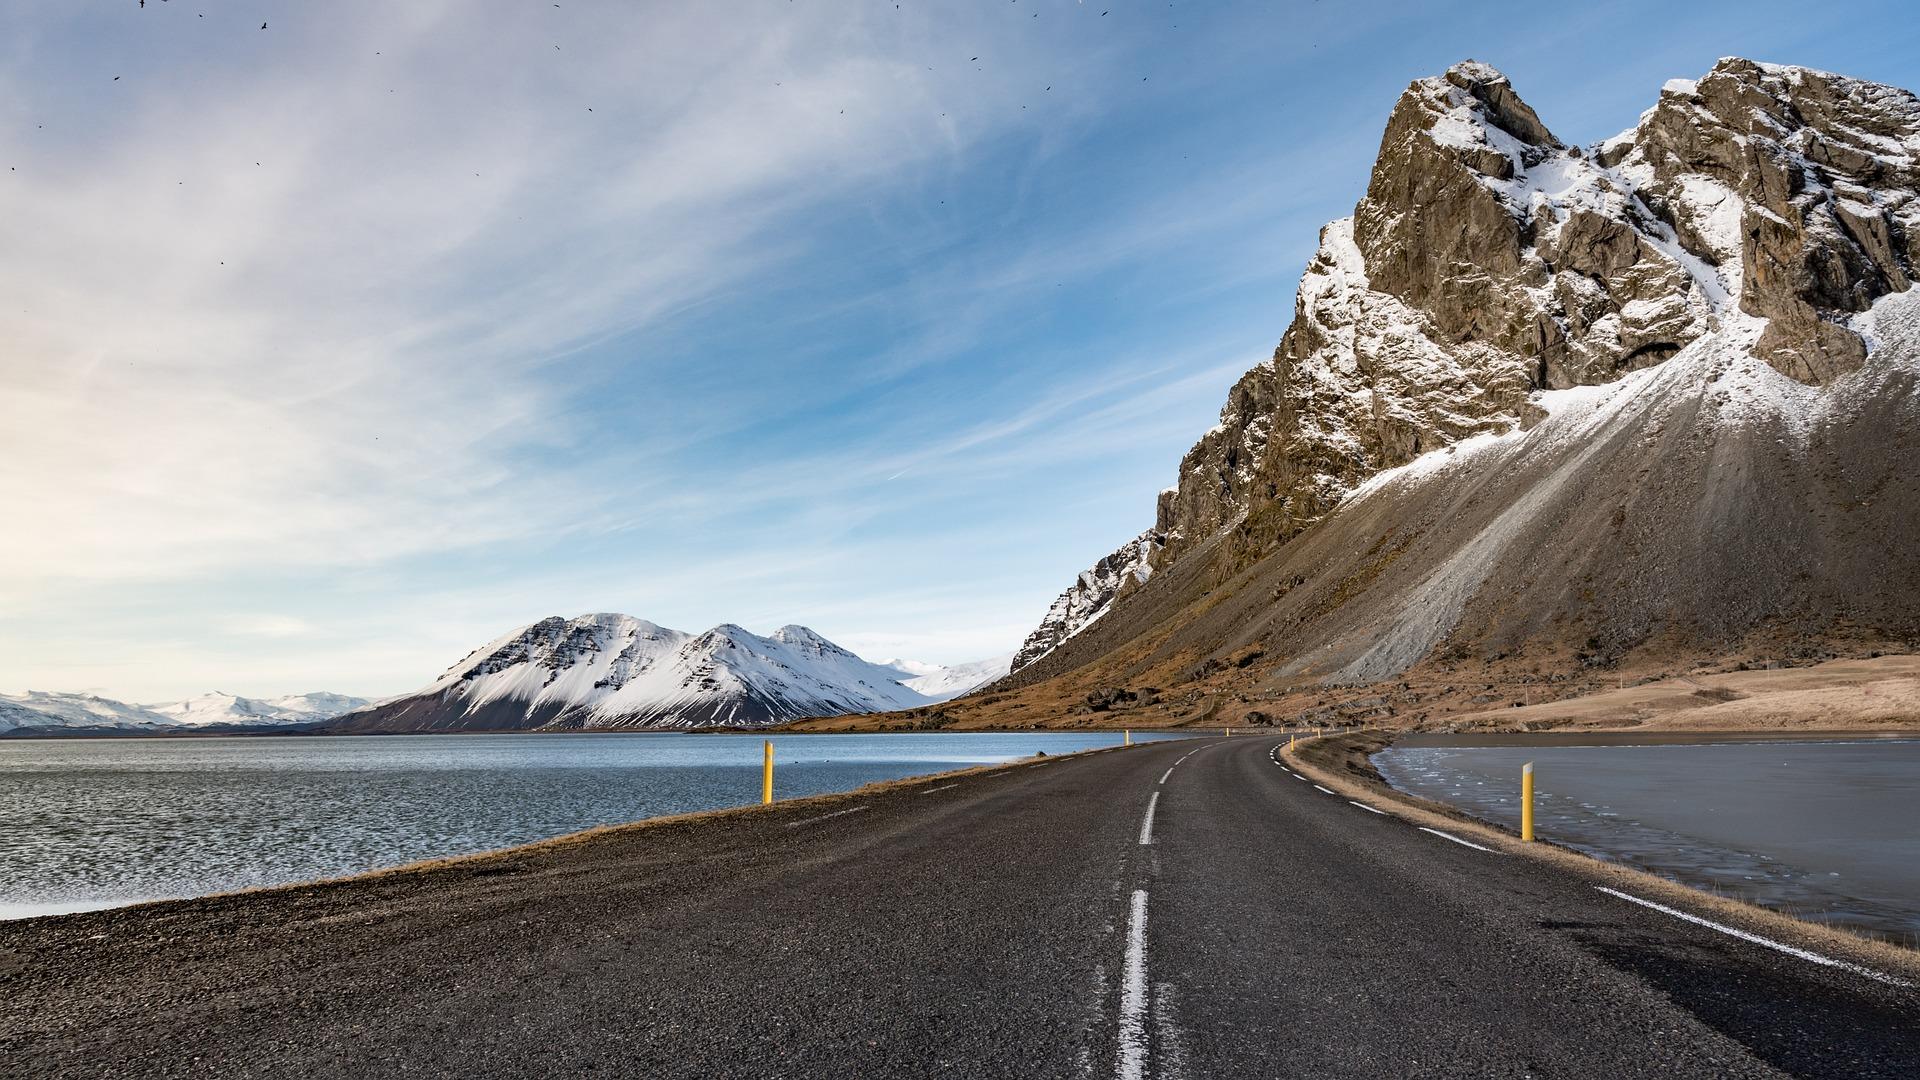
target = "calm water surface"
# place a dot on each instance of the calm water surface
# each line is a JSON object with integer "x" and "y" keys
{"x": 1828, "y": 831}
{"x": 97, "y": 822}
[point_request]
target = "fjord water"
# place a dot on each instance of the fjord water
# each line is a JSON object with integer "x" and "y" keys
{"x": 1828, "y": 831}
{"x": 93, "y": 822}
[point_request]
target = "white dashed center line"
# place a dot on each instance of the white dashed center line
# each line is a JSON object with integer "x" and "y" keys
{"x": 1133, "y": 993}
{"x": 1369, "y": 809}
{"x": 1169, "y": 772}
{"x": 1321, "y": 790}
{"x": 1146, "y": 826}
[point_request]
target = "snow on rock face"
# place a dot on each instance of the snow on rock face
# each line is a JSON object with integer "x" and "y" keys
{"x": 1090, "y": 596}
{"x": 945, "y": 684}
{"x": 1489, "y": 261}
{"x": 223, "y": 708}
{"x": 42, "y": 709}
{"x": 610, "y": 671}
{"x": 1803, "y": 185}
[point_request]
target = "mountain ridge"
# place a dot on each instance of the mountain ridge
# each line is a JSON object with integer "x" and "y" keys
{"x": 608, "y": 671}
{"x": 1716, "y": 272}
{"x": 51, "y": 711}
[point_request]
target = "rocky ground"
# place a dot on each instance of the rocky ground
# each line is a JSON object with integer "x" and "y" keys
{"x": 1867, "y": 693}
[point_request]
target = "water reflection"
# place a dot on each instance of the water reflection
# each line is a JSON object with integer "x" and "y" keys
{"x": 1826, "y": 831}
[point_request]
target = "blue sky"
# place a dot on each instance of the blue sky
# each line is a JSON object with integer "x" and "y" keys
{"x": 331, "y": 350}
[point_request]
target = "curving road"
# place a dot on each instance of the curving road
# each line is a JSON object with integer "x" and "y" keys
{"x": 1185, "y": 909}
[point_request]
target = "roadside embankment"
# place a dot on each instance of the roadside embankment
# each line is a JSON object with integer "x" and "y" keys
{"x": 1343, "y": 763}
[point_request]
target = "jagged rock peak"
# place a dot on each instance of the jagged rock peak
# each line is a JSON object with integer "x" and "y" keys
{"x": 1090, "y": 596}
{"x": 1485, "y": 84}
{"x": 1801, "y": 181}
{"x": 1489, "y": 261}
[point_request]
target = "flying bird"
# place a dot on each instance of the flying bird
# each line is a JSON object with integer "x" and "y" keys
{"x": 263, "y": 26}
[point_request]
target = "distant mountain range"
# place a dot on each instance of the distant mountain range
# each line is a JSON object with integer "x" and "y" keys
{"x": 937, "y": 683}
{"x": 41, "y": 711}
{"x": 618, "y": 671}
{"x": 595, "y": 671}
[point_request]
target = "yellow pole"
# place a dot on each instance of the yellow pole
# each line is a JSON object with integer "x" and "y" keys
{"x": 1526, "y": 801}
{"x": 766, "y": 776}
{"x": 1290, "y": 739}
{"x": 1126, "y": 738}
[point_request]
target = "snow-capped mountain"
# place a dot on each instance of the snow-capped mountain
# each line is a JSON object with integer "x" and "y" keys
{"x": 614, "y": 671}
{"x": 938, "y": 683}
{"x": 909, "y": 669}
{"x": 219, "y": 707}
{"x": 37, "y": 709}
{"x": 40, "y": 709}
{"x": 1655, "y": 393}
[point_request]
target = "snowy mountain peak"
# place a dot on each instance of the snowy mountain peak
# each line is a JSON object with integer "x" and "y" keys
{"x": 40, "y": 709}
{"x": 611, "y": 670}
{"x": 801, "y": 637}
{"x": 1760, "y": 215}
{"x": 220, "y": 707}
{"x": 947, "y": 683}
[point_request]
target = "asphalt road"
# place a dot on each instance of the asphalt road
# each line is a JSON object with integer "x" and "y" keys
{"x": 1186, "y": 909}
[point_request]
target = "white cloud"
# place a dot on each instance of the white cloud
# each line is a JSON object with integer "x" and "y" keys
{"x": 314, "y": 304}
{"x": 356, "y": 349}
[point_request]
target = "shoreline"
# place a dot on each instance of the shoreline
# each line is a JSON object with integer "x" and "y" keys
{"x": 783, "y": 730}
{"x": 577, "y": 835}
{"x": 1344, "y": 763}
{"x": 1658, "y": 737}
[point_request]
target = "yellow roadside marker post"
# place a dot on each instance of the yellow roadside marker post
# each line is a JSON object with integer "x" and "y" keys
{"x": 1126, "y": 738}
{"x": 766, "y": 775}
{"x": 1526, "y": 801}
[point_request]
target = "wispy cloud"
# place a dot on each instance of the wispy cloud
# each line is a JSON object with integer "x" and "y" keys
{"x": 328, "y": 351}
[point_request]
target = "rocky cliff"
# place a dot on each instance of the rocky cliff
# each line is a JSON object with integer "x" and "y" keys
{"x": 1090, "y": 595}
{"x": 1757, "y": 213}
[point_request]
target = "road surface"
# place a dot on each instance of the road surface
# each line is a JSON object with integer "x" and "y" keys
{"x": 1184, "y": 909}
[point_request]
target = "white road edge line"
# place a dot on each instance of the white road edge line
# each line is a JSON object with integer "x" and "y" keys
{"x": 1457, "y": 840}
{"x": 1133, "y": 994}
{"x": 823, "y": 817}
{"x": 942, "y": 787}
{"x": 1743, "y": 935}
{"x": 1146, "y": 826}
{"x": 1298, "y": 777}
{"x": 1318, "y": 788}
{"x": 1370, "y": 809}
{"x": 1169, "y": 772}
